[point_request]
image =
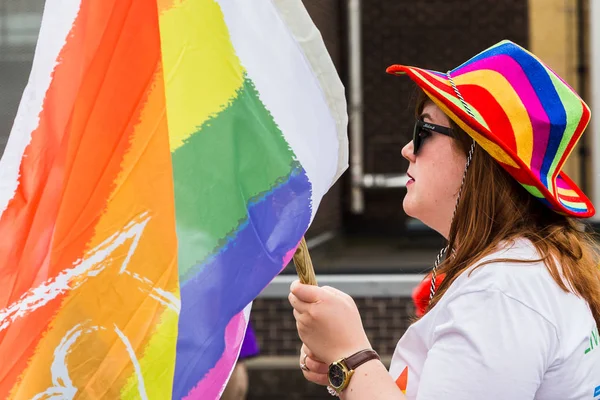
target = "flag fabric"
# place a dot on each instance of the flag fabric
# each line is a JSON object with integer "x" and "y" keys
{"x": 166, "y": 159}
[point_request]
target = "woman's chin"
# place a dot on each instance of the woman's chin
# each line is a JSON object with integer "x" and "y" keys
{"x": 414, "y": 209}
{"x": 408, "y": 206}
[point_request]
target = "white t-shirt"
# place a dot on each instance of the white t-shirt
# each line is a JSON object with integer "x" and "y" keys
{"x": 506, "y": 332}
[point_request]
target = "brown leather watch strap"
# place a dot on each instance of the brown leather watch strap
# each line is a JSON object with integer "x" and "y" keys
{"x": 358, "y": 359}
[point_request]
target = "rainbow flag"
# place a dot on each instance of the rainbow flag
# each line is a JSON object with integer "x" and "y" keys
{"x": 166, "y": 159}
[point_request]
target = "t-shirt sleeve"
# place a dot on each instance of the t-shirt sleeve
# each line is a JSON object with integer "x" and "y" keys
{"x": 487, "y": 345}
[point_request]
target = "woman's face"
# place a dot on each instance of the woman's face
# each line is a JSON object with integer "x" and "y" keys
{"x": 435, "y": 174}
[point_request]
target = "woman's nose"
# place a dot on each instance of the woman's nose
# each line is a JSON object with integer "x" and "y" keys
{"x": 407, "y": 151}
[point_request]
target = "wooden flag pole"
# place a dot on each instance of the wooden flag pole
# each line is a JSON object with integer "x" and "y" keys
{"x": 304, "y": 265}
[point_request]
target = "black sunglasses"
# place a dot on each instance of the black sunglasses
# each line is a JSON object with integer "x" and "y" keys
{"x": 422, "y": 126}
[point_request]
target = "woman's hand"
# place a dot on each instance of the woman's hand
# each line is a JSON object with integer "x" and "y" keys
{"x": 328, "y": 322}
{"x": 316, "y": 371}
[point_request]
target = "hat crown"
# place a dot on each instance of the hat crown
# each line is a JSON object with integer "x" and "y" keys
{"x": 526, "y": 105}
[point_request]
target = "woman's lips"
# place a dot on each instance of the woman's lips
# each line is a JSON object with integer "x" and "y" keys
{"x": 411, "y": 180}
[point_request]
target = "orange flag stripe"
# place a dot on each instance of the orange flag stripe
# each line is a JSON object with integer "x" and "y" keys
{"x": 69, "y": 169}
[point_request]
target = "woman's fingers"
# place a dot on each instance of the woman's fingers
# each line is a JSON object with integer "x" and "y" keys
{"x": 309, "y": 353}
{"x": 316, "y": 366}
{"x": 317, "y": 370}
{"x": 319, "y": 379}
{"x": 296, "y": 314}
{"x": 305, "y": 293}
{"x": 297, "y": 304}
{"x": 306, "y": 350}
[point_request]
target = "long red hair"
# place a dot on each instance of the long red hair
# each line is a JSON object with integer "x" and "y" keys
{"x": 494, "y": 207}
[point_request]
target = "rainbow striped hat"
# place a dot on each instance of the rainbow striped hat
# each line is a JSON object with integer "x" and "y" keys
{"x": 521, "y": 112}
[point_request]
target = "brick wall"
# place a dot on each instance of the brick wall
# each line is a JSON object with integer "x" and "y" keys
{"x": 437, "y": 34}
{"x": 385, "y": 321}
{"x": 281, "y": 384}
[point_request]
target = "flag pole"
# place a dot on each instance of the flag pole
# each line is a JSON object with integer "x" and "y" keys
{"x": 304, "y": 265}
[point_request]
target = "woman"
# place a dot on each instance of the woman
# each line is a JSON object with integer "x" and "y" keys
{"x": 517, "y": 313}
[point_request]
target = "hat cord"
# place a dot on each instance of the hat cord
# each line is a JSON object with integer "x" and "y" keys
{"x": 441, "y": 255}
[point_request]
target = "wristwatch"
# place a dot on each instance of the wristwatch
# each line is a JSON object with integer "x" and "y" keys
{"x": 341, "y": 371}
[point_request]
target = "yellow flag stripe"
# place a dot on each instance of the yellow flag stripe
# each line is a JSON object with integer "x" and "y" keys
{"x": 202, "y": 71}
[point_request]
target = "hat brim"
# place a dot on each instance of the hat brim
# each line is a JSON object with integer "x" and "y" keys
{"x": 567, "y": 198}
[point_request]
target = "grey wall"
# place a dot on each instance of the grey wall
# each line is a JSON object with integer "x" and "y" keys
{"x": 19, "y": 27}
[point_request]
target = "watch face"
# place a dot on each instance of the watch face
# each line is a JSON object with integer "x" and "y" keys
{"x": 336, "y": 376}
